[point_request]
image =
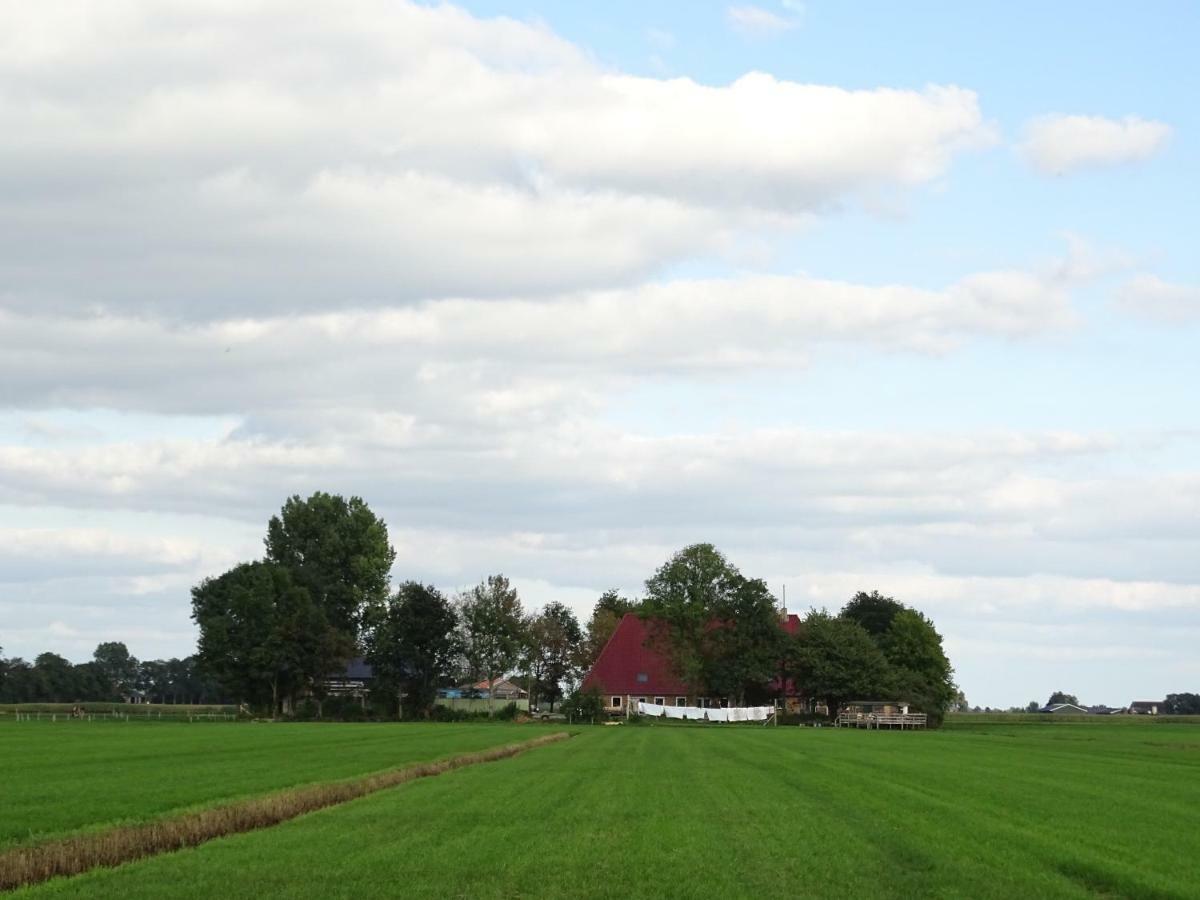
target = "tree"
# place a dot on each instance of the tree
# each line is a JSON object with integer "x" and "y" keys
{"x": 1182, "y": 705}
{"x": 491, "y": 629}
{"x": 414, "y": 644}
{"x": 606, "y": 615}
{"x": 720, "y": 629}
{"x": 1033, "y": 706}
{"x": 584, "y": 706}
{"x": 337, "y": 550}
{"x": 54, "y": 679}
{"x": 1060, "y": 697}
{"x": 118, "y": 668}
{"x": 262, "y": 635}
{"x": 921, "y": 671}
{"x": 554, "y": 641}
{"x": 837, "y": 661}
{"x": 873, "y": 611}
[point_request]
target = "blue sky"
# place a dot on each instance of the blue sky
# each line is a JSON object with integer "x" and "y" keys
{"x": 874, "y": 296}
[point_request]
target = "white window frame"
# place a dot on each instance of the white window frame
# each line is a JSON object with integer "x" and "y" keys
{"x": 616, "y": 701}
{"x": 641, "y": 699}
{"x": 681, "y": 701}
{"x": 702, "y": 702}
{"x": 660, "y": 701}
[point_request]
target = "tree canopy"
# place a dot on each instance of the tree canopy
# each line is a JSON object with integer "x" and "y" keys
{"x": 414, "y": 644}
{"x": 491, "y": 630}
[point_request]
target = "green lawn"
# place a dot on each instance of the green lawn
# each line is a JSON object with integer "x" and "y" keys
{"x": 68, "y": 775}
{"x": 1023, "y": 811}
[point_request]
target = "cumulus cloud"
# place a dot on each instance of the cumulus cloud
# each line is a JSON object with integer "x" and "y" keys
{"x": 185, "y": 159}
{"x": 1061, "y": 144}
{"x": 1162, "y": 301}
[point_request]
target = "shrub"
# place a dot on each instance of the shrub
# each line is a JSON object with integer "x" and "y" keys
{"x": 584, "y": 706}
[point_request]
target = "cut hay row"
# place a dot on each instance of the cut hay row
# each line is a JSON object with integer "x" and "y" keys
{"x": 112, "y": 847}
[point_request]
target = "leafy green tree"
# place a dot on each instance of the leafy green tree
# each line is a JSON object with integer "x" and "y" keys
{"x": 338, "y": 551}
{"x": 414, "y": 644}
{"x": 837, "y": 661}
{"x": 921, "y": 672}
{"x": 118, "y": 668}
{"x": 873, "y": 611}
{"x": 721, "y": 629}
{"x": 54, "y": 677}
{"x": 261, "y": 633}
{"x": 554, "y": 641}
{"x": 1184, "y": 704}
{"x": 584, "y": 706}
{"x": 491, "y": 630}
{"x": 1061, "y": 697}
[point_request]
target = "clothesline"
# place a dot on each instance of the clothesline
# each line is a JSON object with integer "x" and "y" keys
{"x": 697, "y": 713}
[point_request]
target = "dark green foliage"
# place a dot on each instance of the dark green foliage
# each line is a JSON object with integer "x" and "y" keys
{"x": 1061, "y": 697}
{"x": 1182, "y": 704}
{"x": 414, "y": 644}
{"x": 873, "y": 611}
{"x": 720, "y": 628}
{"x": 491, "y": 628}
{"x": 338, "y": 550}
{"x": 554, "y": 639}
{"x": 117, "y": 668}
{"x": 261, "y": 634}
{"x": 921, "y": 672}
{"x": 836, "y": 660}
{"x": 584, "y": 706}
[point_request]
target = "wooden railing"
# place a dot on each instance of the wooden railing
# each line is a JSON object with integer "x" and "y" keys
{"x": 882, "y": 720}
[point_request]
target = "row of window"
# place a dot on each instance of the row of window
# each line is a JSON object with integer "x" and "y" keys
{"x": 662, "y": 701}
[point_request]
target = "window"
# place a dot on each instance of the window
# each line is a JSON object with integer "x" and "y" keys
{"x": 702, "y": 702}
{"x": 681, "y": 701}
{"x": 660, "y": 701}
{"x": 641, "y": 699}
{"x": 616, "y": 701}
{"x": 642, "y": 677}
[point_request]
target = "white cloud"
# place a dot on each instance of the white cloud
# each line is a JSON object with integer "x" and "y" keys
{"x": 1162, "y": 301}
{"x": 755, "y": 21}
{"x": 409, "y": 151}
{"x": 1061, "y": 144}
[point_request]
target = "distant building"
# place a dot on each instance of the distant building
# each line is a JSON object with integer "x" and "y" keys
{"x": 1103, "y": 710}
{"x": 353, "y": 681}
{"x": 1145, "y": 707}
{"x": 1064, "y": 708}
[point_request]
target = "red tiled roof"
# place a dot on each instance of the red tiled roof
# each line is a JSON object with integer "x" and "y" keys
{"x": 626, "y": 657}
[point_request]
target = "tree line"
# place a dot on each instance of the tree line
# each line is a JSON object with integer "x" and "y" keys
{"x": 112, "y": 674}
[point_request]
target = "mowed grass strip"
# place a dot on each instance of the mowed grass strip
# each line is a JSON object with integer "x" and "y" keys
{"x": 672, "y": 812}
{"x": 74, "y": 855}
{"x": 62, "y": 777}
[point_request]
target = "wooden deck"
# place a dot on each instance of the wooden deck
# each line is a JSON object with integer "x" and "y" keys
{"x": 880, "y": 720}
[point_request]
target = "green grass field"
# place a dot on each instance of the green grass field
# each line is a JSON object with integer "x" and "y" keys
{"x": 70, "y": 775}
{"x": 1017, "y": 811}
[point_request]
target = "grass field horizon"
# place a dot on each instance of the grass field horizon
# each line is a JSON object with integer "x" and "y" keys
{"x": 1030, "y": 810}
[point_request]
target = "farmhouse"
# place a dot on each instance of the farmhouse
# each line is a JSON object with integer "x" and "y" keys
{"x": 630, "y": 669}
{"x": 1144, "y": 707}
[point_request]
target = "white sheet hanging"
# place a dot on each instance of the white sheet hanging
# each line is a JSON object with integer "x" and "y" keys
{"x": 696, "y": 713}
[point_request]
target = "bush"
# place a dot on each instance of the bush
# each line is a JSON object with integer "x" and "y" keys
{"x": 584, "y": 706}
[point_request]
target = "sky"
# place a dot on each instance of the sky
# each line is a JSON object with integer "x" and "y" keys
{"x": 872, "y": 296}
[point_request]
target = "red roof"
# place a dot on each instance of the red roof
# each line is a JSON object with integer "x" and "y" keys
{"x": 627, "y": 666}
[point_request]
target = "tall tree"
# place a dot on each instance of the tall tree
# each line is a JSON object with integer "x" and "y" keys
{"x": 118, "y": 668}
{"x": 1062, "y": 697}
{"x": 261, "y": 634}
{"x": 922, "y": 673}
{"x": 54, "y": 677}
{"x": 491, "y": 628}
{"x": 338, "y": 550}
{"x": 720, "y": 628}
{"x": 837, "y": 661}
{"x": 554, "y": 641}
{"x": 414, "y": 644}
